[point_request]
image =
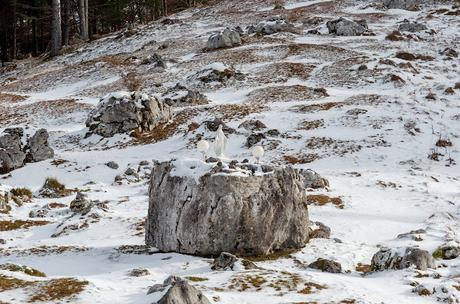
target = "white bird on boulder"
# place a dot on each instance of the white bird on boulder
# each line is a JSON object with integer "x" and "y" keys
{"x": 220, "y": 143}
{"x": 258, "y": 152}
{"x": 203, "y": 147}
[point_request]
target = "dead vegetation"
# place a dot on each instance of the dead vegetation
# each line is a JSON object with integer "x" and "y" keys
{"x": 52, "y": 188}
{"x": 24, "y": 269}
{"x": 41, "y": 250}
{"x": 300, "y": 159}
{"x": 8, "y": 225}
{"x": 11, "y": 98}
{"x": 286, "y": 94}
{"x": 282, "y": 71}
{"x": 322, "y": 199}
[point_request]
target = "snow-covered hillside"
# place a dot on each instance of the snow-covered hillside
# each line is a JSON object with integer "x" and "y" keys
{"x": 378, "y": 115}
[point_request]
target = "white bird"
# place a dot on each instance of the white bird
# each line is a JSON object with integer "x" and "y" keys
{"x": 220, "y": 143}
{"x": 258, "y": 152}
{"x": 203, "y": 147}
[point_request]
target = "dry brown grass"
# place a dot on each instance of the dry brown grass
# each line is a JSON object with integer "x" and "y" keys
{"x": 282, "y": 71}
{"x": 58, "y": 289}
{"x": 24, "y": 269}
{"x": 311, "y": 287}
{"x": 11, "y": 98}
{"x": 322, "y": 199}
{"x": 41, "y": 250}
{"x": 286, "y": 94}
{"x": 364, "y": 268}
{"x": 443, "y": 143}
{"x": 311, "y": 124}
{"x": 8, "y": 225}
{"x": 300, "y": 159}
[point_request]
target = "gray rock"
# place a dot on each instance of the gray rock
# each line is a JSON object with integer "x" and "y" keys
{"x": 112, "y": 165}
{"x": 81, "y": 204}
{"x": 313, "y": 180}
{"x": 180, "y": 96}
{"x": 37, "y": 148}
{"x": 226, "y": 38}
{"x": 124, "y": 113}
{"x": 183, "y": 293}
{"x": 11, "y": 154}
{"x": 213, "y": 213}
{"x": 213, "y": 125}
{"x": 225, "y": 261}
{"x": 131, "y": 171}
{"x": 410, "y": 5}
{"x": 321, "y": 231}
{"x": 387, "y": 258}
{"x": 139, "y": 272}
{"x": 447, "y": 251}
{"x": 254, "y": 139}
{"x": 412, "y": 27}
{"x": 326, "y": 265}
{"x": 273, "y": 25}
{"x": 252, "y": 125}
{"x": 347, "y": 27}
{"x": 155, "y": 60}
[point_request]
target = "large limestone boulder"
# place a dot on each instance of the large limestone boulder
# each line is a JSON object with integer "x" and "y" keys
{"x": 125, "y": 112}
{"x": 347, "y": 27}
{"x": 37, "y": 148}
{"x": 203, "y": 209}
{"x": 14, "y": 155}
{"x": 225, "y": 39}
{"x": 387, "y": 258}
{"x": 11, "y": 154}
{"x": 182, "y": 292}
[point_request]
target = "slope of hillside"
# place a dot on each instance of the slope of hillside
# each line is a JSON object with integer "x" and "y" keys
{"x": 378, "y": 115}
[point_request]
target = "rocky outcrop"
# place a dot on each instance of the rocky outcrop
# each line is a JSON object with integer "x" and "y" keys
{"x": 410, "y": 5}
{"x": 225, "y": 39}
{"x": 14, "y": 155}
{"x": 182, "y": 292}
{"x": 81, "y": 204}
{"x": 126, "y": 112}
{"x": 412, "y": 27}
{"x": 180, "y": 96}
{"x": 196, "y": 208}
{"x": 271, "y": 26}
{"x": 347, "y": 27}
{"x": 225, "y": 261}
{"x": 37, "y": 148}
{"x": 387, "y": 258}
{"x": 448, "y": 251}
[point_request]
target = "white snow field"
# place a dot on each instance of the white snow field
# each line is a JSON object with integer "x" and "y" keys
{"x": 374, "y": 135}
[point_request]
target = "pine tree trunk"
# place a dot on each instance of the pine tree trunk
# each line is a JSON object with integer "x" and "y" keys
{"x": 56, "y": 33}
{"x": 65, "y": 22}
{"x": 14, "y": 48}
{"x": 84, "y": 25}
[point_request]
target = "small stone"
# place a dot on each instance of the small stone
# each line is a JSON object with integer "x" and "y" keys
{"x": 81, "y": 204}
{"x": 326, "y": 265}
{"x": 254, "y": 139}
{"x": 225, "y": 261}
{"x": 321, "y": 231}
{"x": 139, "y": 272}
{"x": 130, "y": 171}
{"x": 112, "y": 165}
{"x": 212, "y": 160}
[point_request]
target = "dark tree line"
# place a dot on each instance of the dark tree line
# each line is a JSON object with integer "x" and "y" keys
{"x": 37, "y": 27}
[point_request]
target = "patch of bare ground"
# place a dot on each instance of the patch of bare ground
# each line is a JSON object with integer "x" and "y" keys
{"x": 236, "y": 111}
{"x": 40, "y": 111}
{"x": 8, "y": 225}
{"x": 300, "y": 159}
{"x": 299, "y": 13}
{"x": 6, "y": 98}
{"x": 311, "y": 124}
{"x": 351, "y": 71}
{"x": 41, "y": 250}
{"x": 331, "y": 146}
{"x": 356, "y": 100}
{"x": 286, "y": 94}
{"x": 283, "y": 71}
{"x": 55, "y": 290}
{"x": 322, "y": 199}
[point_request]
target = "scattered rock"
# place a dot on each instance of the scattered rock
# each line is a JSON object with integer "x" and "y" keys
{"x": 218, "y": 212}
{"x": 139, "y": 272}
{"x": 225, "y": 39}
{"x": 81, "y": 204}
{"x": 252, "y": 125}
{"x": 412, "y": 27}
{"x": 254, "y": 139}
{"x": 272, "y": 25}
{"x": 112, "y": 165}
{"x": 410, "y": 5}
{"x": 37, "y": 148}
{"x": 180, "y": 96}
{"x": 347, "y": 27}
{"x": 326, "y": 265}
{"x": 447, "y": 251}
{"x": 387, "y": 258}
{"x": 121, "y": 113}
{"x": 449, "y": 53}
{"x": 182, "y": 292}
{"x": 313, "y": 180}
{"x": 225, "y": 261}
{"x": 319, "y": 231}
{"x": 216, "y": 73}
{"x": 11, "y": 154}
{"x": 156, "y": 61}
{"x": 213, "y": 125}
